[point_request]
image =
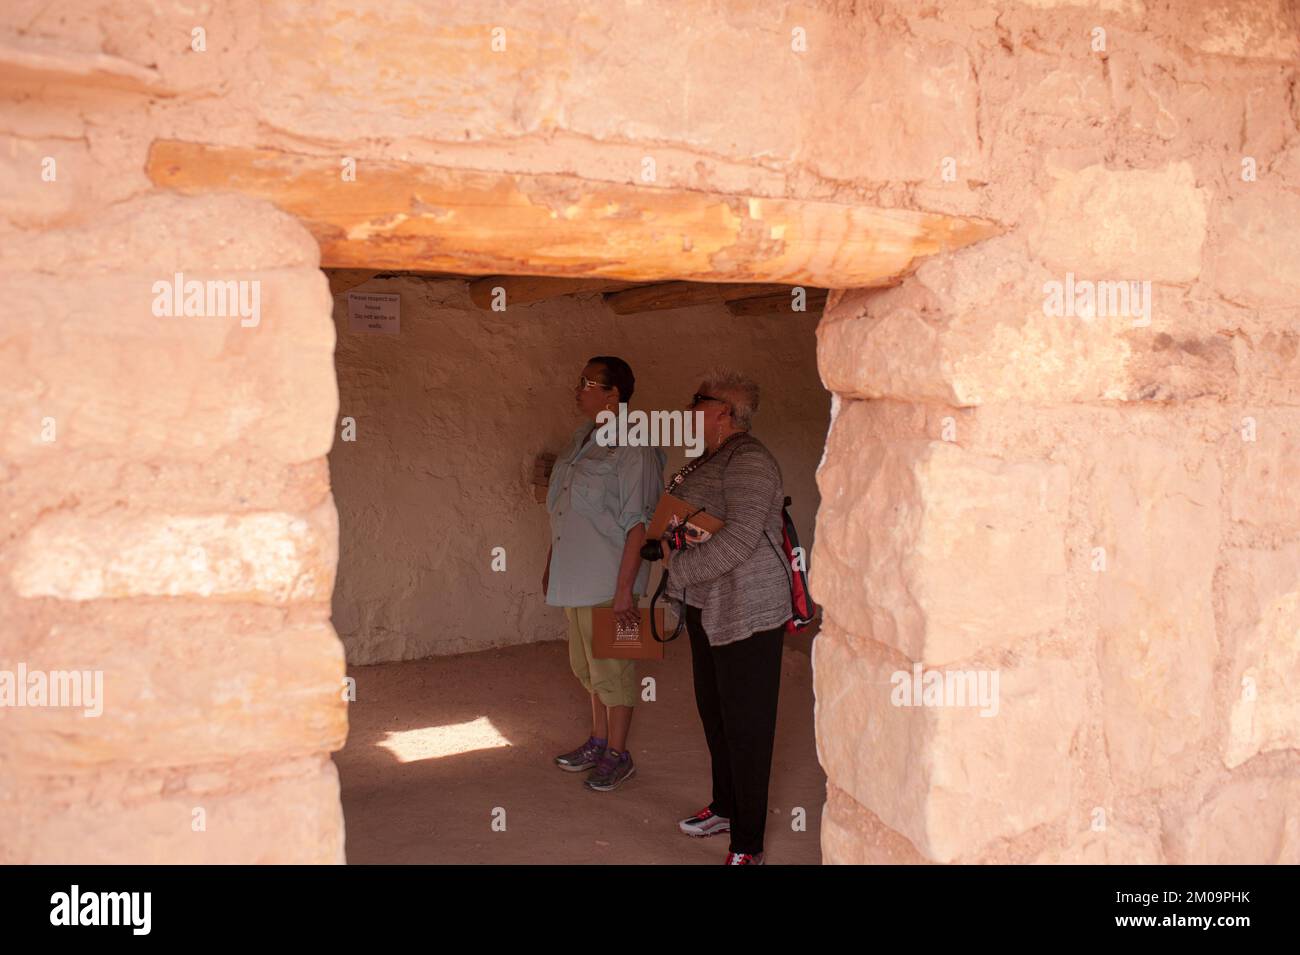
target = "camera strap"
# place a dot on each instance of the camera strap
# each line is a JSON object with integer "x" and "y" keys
{"x": 663, "y": 579}
{"x": 681, "y": 617}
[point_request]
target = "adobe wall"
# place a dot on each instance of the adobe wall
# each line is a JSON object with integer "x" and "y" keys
{"x": 451, "y": 414}
{"x": 179, "y": 531}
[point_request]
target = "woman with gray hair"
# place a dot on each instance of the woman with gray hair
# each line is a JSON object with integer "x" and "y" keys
{"x": 735, "y": 590}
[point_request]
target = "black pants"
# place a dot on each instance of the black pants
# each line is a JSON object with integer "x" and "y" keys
{"x": 736, "y": 689}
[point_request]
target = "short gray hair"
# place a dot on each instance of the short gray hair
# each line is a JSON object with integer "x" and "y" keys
{"x": 736, "y": 389}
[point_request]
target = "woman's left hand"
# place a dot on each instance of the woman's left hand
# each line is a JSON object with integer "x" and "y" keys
{"x": 624, "y": 610}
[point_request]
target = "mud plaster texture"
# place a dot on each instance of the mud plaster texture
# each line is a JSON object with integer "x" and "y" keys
{"x": 450, "y": 416}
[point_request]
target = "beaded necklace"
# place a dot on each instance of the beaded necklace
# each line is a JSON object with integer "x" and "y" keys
{"x": 680, "y": 476}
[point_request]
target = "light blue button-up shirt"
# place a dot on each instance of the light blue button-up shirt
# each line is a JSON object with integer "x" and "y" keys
{"x": 597, "y": 495}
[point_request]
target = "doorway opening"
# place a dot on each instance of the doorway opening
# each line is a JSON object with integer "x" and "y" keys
{"x": 463, "y": 692}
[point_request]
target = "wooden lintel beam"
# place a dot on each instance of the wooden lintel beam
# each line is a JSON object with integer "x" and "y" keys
{"x": 661, "y": 295}
{"x": 814, "y": 302}
{"x": 666, "y": 295}
{"x": 735, "y": 293}
{"x": 526, "y": 289}
{"x": 343, "y": 279}
{"x": 407, "y": 216}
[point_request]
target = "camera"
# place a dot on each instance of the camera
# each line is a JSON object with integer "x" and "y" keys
{"x": 674, "y": 538}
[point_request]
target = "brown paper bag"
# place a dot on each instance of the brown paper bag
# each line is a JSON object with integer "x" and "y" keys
{"x": 609, "y": 642}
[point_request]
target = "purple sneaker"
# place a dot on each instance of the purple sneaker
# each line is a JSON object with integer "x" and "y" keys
{"x": 611, "y": 771}
{"x": 584, "y": 757}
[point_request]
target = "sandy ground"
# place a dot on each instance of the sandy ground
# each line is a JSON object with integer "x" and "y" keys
{"x": 438, "y": 746}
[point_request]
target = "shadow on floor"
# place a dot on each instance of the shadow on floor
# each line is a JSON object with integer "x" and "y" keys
{"x": 499, "y": 717}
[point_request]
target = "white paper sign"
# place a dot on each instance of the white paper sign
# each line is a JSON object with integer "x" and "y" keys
{"x": 375, "y": 312}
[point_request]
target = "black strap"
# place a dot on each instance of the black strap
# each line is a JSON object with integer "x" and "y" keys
{"x": 681, "y": 617}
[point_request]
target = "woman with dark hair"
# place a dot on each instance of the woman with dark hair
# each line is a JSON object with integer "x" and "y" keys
{"x": 600, "y": 500}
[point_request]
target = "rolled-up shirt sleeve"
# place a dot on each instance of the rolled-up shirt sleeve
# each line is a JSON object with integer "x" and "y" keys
{"x": 597, "y": 497}
{"x": 640, "y": 475}
{"x": 749, "y": 485}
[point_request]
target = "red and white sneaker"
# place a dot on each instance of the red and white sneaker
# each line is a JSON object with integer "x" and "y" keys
{"x": 706, "y": 822}
{"x": 743, "y": 858}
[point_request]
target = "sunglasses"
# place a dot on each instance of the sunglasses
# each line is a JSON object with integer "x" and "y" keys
{"x": 584, "y": 383}
{"x": 698, "y": 397}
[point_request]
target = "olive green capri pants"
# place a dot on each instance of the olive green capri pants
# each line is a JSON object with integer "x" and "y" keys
{"x": 613, "y": 681}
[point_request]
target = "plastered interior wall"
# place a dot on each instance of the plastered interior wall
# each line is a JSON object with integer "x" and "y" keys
{"x": 1157, "y": 691}
{"x": 451, "y": 414}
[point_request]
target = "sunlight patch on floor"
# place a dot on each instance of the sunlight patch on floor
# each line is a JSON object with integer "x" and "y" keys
{"x": 434, "y": 742}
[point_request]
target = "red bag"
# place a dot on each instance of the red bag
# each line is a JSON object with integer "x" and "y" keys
{"x": 801, "y": 602}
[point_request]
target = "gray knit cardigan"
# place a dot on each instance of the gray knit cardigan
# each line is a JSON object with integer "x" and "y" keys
{"x": 739, "y": 577}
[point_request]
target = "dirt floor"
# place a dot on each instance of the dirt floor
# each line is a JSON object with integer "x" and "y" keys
{"x": 438, "y": 748}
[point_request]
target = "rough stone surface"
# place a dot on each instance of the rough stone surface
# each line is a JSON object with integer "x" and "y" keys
{"x": 974, "y": 328}
{"x": 1114, "y": 845}
{"x": 1123, "y": 163}
{"x": 169, "y": 530}
{"x": 962, "y": 551}
{"x": 275, "y": 558}
{"x": 1156, "y": 635}
{"x": 1160, "y": 615}
{"x": 922, "y": 769}
{"x": 1103, "y": 223}
{"x": 177, "y": 680}
{"x": 1255, "y": 264}
{"x": 1250, "y": 821}
{"x": 1263, "y": 467}
{"x": 852, "y": 835}
{"x": 1261, "y": 626}
{"x": 1266, "y": 29}
{"x": 101, "y": 372}
{"x": 283, "y": 813}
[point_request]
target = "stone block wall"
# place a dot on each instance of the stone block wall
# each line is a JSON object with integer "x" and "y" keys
{"x": 169, "y": 526}
{"x": 1095, "y": 507}
{"x": 178, "y": 525}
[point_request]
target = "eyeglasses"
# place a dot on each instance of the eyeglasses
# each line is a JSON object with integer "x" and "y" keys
{"x": 698, "y": 397}
{"x": 584, "y": 383}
